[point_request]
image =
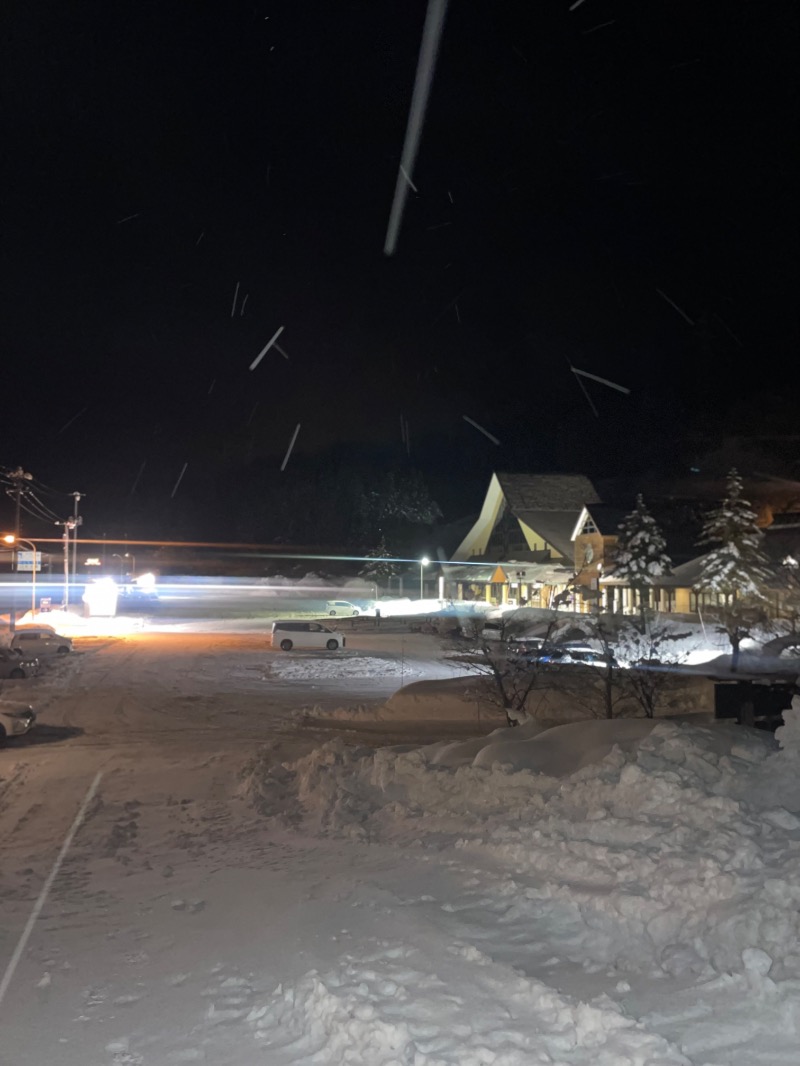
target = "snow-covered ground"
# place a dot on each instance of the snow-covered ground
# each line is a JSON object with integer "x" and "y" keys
{"x": 246, "y": 890}
{"x": 299, "y": 667}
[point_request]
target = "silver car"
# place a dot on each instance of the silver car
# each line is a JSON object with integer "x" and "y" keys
{"x": 15, "y": 719}
{"x": 39, "y": 641}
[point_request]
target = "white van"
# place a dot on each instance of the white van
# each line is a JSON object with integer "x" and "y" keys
{"x": 288, "y": 635}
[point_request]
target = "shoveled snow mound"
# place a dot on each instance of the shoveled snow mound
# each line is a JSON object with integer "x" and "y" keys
{"x": 294, "y": 667}
{"x": 557, "y": 753}
{"x": 466, "y": 698}
{"x": 672, "y": 852}
{"x": 445, "y": 1004}
{"x": 450, "y": 699}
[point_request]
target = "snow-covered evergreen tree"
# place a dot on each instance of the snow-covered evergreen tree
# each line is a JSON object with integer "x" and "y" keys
{"x": 736, "y": 567}
{"x": 380, "y": 566}
{"x": 641, "y": 556}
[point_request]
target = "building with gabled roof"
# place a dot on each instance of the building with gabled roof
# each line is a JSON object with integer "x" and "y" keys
{"x": 532, "y": 516}
{"x": 526, "y": 524}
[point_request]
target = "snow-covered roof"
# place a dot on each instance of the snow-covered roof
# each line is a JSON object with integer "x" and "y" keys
{"x": 684, "y": 576}
{"x": 549, "y": 504}
{"x": 547, "y": 492}
{"x": 554, "y": 527}
{"x": 605, "y": 516}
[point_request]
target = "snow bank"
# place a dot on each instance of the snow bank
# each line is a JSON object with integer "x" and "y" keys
{"x": 635, "y": 834}
{"x": 420, "y": 1005}
{"x": 452, "y": 699}
{"x": 467, "y": 699}
{"x": 638, "y": 849}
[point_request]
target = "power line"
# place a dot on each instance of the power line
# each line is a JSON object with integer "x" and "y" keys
{"x": 32, "y": 496}
{"x": 48, "y": 489}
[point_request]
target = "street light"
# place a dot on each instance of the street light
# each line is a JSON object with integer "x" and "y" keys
{"x": 132, "y": 557}
{"x": 116, "y": 555}
{"x": 10, "y": 538}
{"x": 422, "y": 564}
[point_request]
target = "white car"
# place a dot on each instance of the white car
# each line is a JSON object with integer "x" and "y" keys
{"x": 289, "y": 635}
{"x": 15, "y": 719}
{"x": 40, "y": 641}
{"x": 334, "y": 607}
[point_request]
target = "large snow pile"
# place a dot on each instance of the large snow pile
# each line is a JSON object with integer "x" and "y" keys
{"x": 652, "y": 867}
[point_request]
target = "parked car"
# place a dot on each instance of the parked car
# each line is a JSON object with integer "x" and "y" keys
{"x": 15, "y": 665}
{"x": 39, "y": 641}
{"x": 573, "y": 653}
{"x": 133, "y": 598}
{"x": 289, "y": 635}
{"x": 15, "y": 719}
{"x": 334, "y": 607}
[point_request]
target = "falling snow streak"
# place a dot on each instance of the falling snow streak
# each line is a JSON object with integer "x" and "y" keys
{"x": 235, "y": 298}
{"x": 74, "y": 417}
{"x": 291, "y": 445}
{"x": 480, "y": 429}
{"x": 279, "y": 349}
{"x": 584, "y": 390}
{"x": 452, "y": 201}
{"x": 138, "y": 476}
{"x": 603, "y": 381}
{"x": 244, "y": 304}
{"x": 426, "y": 65}
{"x": 672, "y": 303}
{"x": 408, "y": 179}
{"x": 252, "y": 413}
{"x": 180, "y": 478}
{"x": 727, "y": 329}
{"x": 128, "y": 218}
{"x": 211, "y": 386}
{"x": 440, "y": 225}
{"x": 199, "y": 238}
{"x": 458, "y": 313}
{"x": 599, "y": 26}
{"x": 577, "y": 3}
{"x": 452, "y": 303}
{"x": 266, "y": 348}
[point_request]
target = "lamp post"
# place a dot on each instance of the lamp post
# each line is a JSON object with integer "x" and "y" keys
{"x": 132, "y": 557}
{"x": 422, "y": 564}
{"x": 11, "y": 538}
{"x": 116, "y": 555}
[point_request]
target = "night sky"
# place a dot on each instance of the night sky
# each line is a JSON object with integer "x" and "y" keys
{"x": 572, "y": 165}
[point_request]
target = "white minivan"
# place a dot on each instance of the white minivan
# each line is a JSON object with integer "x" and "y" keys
{"x": 288, "y": 635}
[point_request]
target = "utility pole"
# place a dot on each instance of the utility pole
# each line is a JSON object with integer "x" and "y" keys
{"x": 68, "y": 524}
{"x": 18, "y": 476}
{"x": 77, "y": 521}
